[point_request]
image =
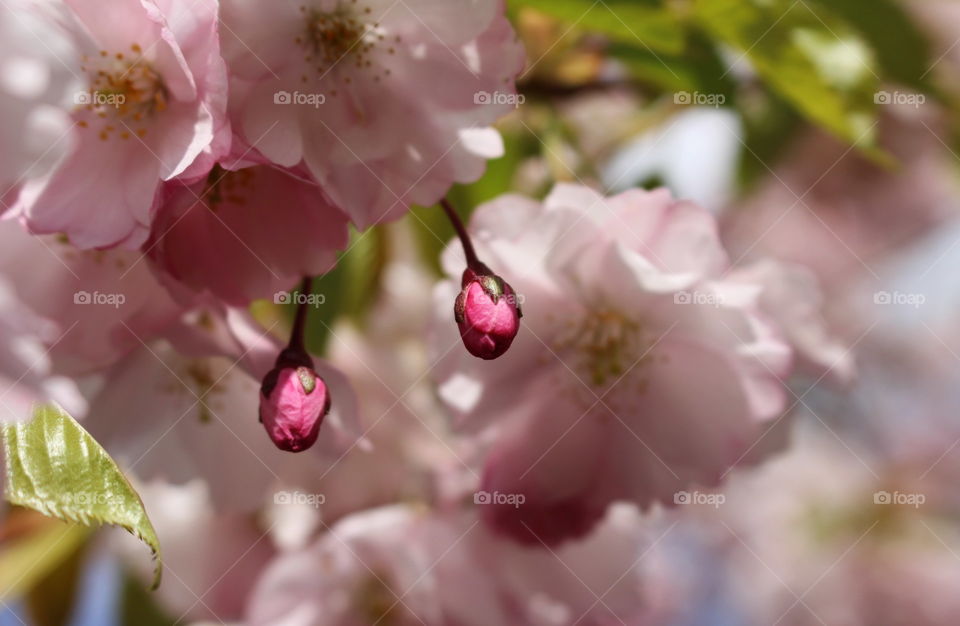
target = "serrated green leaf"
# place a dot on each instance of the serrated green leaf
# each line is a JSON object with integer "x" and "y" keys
{"x": 809, "y": 58}
{"x": 629, "y": 21}
{"x": 55, "y": 467}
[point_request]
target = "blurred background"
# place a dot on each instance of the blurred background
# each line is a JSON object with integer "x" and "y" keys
{"x": 822, "y": 132}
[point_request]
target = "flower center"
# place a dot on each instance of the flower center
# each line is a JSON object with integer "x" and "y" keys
{"x": 376, "y": 601}
{"x": 606, "y": 345}
{"x": 125, "y": 92}
{"x": 340, "y": 37}
{"x": 227, "y": 186}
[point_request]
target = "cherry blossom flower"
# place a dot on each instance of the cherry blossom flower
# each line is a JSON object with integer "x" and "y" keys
{"x": 101, "y": 303}
{"x": 405, "y": 565}
{"x": 36, "y": 86}
{"x": 213, "y": 558}
{"x": 103, "y": 315}
{"x": 643, "y": 366}
{"x": 154, "y": 110}
{"x": 25, "y": 365}
{"x": 195, "y": 396}
{"x": 244, "y": 234}
{"x": 867, "y": 538}
{"x": 791, "y": 298}
{"x": 835, "y": 212}
{"x": 385, "y": 103}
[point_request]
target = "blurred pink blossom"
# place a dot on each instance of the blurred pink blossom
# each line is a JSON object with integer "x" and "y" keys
{"x": 385, "y": 103}
{"x": 644, "y": 365}
{"x": 102, "y": 303}
{"x": 865, "y": 539}
{"x": 154, "y": 110}
{"x": 244, "y": 234}
{"x": 37, "y": 84}
{"x": 832, "y": 210}
{"x": 186, "y": 407}
{"x": 405, "y": 565}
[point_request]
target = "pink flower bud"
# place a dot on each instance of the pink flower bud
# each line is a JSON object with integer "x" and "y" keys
{"x": 293, "y": 403}
{"x": 487, "y": 313}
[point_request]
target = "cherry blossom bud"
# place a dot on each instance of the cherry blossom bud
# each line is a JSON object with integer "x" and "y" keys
{"x": 488, "y": 314}
{"x": 293, "y": 403}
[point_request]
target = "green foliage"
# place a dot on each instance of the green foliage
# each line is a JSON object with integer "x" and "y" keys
{"x": 55, "y": 467}
{"x": 630, "y": 21}
{"x": 767, "y": 134}
{"x": 699, "y": 68}
{"x": 902, "y": 51}
{"x": 811, "y": 59}
{"x": 825, "y": 59}
{"x": 347, "y": 290}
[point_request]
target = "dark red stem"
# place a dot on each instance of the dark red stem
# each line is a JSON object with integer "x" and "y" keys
{"x": 472, "y": 261}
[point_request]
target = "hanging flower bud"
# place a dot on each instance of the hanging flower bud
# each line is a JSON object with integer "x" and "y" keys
{"x": 293, "y": 402}
{"x": 488, "y": 314}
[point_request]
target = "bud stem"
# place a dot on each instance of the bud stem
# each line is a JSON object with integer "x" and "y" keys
{"x": 300, "y": 320}
{"x": 472, "y": 261}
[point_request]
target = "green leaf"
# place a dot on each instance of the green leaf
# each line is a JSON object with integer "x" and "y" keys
{"x": 349, "y": 289}
{"x": 902, "y": 49}
{"x": 698, "y": 69}
{"x": 55, "y": 467}
{"x": 810, "y": 59}
{"x": 363, "y": 265}
{"x": 629, "y": 21}
{"x": 768, "y": 128}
